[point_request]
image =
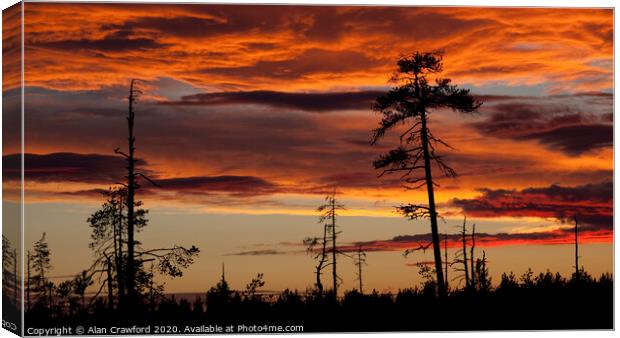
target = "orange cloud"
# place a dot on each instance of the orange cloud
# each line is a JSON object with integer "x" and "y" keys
{"x": 303, "y": 48}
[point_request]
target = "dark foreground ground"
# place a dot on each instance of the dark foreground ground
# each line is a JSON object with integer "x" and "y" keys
{"x": 544, "y": 302}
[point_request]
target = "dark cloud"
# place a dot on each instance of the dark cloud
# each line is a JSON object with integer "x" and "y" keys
{"x": 266, "y": 252}
{"x": 212, "y": 20}
{"x": 90, "y": 193}
{"x": 234, "y": 185}
{"x": 107, "y": 44}
{"x": 316, "y": 102}
{"x": 358, "y": 180}
{"x": 504, "y": 69}
{"x": 67, "y": 167}
{"x": 314, "y": 23}
{"x": 311, "y": 61}
{"x": 573, "y": 125}
{"x": 221, "y": 138}
{"x": 183, "y": 26}
{"x": 576, "y": 139}
{"x": 591, "y": 203}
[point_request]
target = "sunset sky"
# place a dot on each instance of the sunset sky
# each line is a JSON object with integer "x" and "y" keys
{"x": 251, "y": 114}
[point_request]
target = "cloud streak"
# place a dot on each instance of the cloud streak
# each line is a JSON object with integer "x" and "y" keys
{"x": 266, "y": 252}
{"x": 555, "y": 237}
{"x": 67, "y": 167}
{"x": 591, "y": 203}
{"x": 313, "y": 102}
{"x": 574, "y": 125}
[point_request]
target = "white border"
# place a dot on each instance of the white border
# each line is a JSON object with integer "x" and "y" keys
{"x": 468, "y": 3}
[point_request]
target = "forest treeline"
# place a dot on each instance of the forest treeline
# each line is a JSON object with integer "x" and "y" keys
{"x": 533, "y": 301}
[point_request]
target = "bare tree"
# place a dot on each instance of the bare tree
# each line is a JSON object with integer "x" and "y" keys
{"x": 460, "y": 257}
{"x": 320, "y": 255}
{"x": 327, "y": 244}
{"x": 131, "y": 186}
{"x": 471, "y": 256}
{"x": 409, "y": 104}
{"x": 169, "y": 261}
{"x": 360, "y": 261}
{"x": 577, "y": 272}
{"x": 329, "y": 212}
{"x": 445, "y": 257}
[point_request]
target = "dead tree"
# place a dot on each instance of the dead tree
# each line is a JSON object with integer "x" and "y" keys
{"x": 170, "y": 261}
{"x": 409, "y": 103}
{"x": 460, "y": 256}
{"x": 471, "y": 256}
{"x": 119, "y": 230}
{"x": 329, "y": 212}
{"x": 445, "y": 257}
{"x": 577, "y": 272}
{"x": 320, "y": 255}
{"x": 360, "y": 261}
{"x": 131, "y": 186}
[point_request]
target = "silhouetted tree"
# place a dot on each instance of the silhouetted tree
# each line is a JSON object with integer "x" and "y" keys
{"x": 108, "y": 230}
{"x": 41, "y": 263}
{"x": 409, "y": 103}
{"x": 329, "y": 211}
{"x": 169, "y": 261}
{"x": 80, "y": 283}
{"x": 576, "y": 249}
{"x": 483, "y": 281}
{"x": 445, "y": 257}
{"x": 429, "y": 283}
{"x": 131, "y": 186}
{"x": 461, "y": 256}
{"x": 320, "y": 255}
{"x": 10, "y": 283}
{"x": 472, "y": 259}
{"x": 252, "y": 287}
{"x": 360, "y": 261}
{"x": 219, "y": 296}
{"x": 64, "y": 291}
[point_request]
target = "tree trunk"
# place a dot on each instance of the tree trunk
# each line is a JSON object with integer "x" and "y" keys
{"x": 471, "y": 254}
{"x": 131, "y": 279}
{"x": 359, "y": 267}
{"x": 464, "y": 239}
{"x": 28, "y": 281}
{"x": 119, "y": 258}
{"x": 445, "y": 257}
{"x": 334, "y": 251}
{"x": 110, "y": 293}
{"x": 431, "y": 208}
{"x": 319, "y": 267}
{"x": 576, "y": 251}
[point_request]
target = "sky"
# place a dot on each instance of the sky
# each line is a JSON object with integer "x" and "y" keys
{"x": 250, "y": 115}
